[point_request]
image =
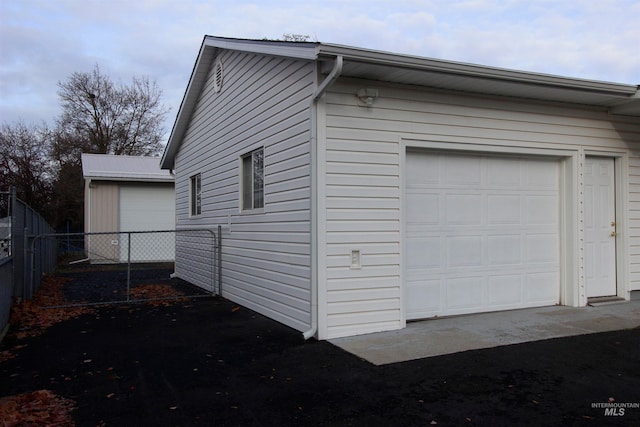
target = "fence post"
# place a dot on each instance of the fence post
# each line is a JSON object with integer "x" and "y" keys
{"x": 219, "y": 244}
{"x": 27, "y": 273}
{"x": 12, "y": 209}
{"x": 129, "y": 266}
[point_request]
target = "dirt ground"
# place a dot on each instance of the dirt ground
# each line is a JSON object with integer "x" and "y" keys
{"x": 210, "y": 362}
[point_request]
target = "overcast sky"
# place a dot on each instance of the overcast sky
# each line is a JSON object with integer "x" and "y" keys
{"x": 43, "y": 41}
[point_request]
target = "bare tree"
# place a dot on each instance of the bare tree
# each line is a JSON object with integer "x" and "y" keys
{"x": 24, "y": 163}
{"x": 112, "y": 118}
{"x": 65, "y": 152}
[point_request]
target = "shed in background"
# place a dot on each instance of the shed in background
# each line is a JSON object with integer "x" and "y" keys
{"x": 127, "y": 193}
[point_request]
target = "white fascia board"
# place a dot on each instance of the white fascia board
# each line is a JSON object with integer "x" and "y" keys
{"x": 132, "y": 179}
{"x": 298, "y": 50}
{"x": 472, "y": 70}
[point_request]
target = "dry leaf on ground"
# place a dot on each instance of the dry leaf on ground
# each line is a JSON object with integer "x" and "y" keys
{"x": 32, "y": 317}
{"x": 41, "y": 407}
{"x": 155, "y": 293}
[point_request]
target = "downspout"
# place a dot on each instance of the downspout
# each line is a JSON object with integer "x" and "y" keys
{"x": 317, "y": 94}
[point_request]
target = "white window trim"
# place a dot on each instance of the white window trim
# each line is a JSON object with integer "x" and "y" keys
{"x": 251, "y": 210}
{"x": 192, "y": 207}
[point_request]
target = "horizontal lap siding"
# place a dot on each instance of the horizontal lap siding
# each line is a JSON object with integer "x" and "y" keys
{"x": 362, "y": 186}
{"x": 265, "y": 255}
{"x": 634, "y": 222}
{"x": 363, "y": 180}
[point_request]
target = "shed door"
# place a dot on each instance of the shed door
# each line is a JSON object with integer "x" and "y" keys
{"x": 481, "y": 233}
{"x": 147, "y": 208}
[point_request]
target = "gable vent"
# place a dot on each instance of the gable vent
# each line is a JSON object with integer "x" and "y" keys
{"x": 217, "y": 75}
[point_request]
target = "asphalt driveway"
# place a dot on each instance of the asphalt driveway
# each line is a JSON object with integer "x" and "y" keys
{"x": 210, "y": 362}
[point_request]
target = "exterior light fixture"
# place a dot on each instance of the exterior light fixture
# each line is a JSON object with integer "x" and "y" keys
{"x": 367, "y": 96}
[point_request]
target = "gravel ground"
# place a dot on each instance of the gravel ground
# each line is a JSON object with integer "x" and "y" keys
{"x": 209, "y": 362}
{"x": 102, "y": 283}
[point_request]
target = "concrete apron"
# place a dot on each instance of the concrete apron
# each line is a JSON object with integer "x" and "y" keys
{"x": 436, "y": 337}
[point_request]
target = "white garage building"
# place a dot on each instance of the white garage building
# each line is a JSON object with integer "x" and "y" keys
{"x": 128, "y": 193}
{"x": 358, "y": 190}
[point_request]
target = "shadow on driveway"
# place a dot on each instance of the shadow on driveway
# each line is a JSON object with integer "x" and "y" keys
{"x": 210, "y": 362}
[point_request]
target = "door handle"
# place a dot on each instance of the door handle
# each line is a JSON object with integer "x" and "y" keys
{"x": 613, "y": 234}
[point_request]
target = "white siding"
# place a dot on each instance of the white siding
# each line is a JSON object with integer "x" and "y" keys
{"x": 634, "y": 222}
{"x": 264, "y": 101}
{"x": 363, "y": 181}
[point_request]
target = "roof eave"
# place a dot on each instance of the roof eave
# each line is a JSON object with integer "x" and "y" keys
{"x": 622, "y": 98}
{"x": 298, "y": 50}
{"x": 163, "y": 180}
{"x": 474, "y": 70}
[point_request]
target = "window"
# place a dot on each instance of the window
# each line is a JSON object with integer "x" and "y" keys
{"x": 253, "y": 180}
{"x": 196, "y": 195}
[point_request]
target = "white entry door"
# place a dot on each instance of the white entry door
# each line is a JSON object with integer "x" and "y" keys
{"x": 600, "y": 227}
{"x": 482, "y": 233}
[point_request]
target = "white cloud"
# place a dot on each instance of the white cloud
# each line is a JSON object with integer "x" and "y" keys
{"x": 42, "y": 42}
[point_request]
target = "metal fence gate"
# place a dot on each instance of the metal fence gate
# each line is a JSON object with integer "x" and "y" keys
{"x": 117, "y": 267}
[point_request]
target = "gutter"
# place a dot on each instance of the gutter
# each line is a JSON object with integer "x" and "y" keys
{"x": 478, "y": 71}
{"x": 630, "y": 106}
{"x": 317, "y": 94}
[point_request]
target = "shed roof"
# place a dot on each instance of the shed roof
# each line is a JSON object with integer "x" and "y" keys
{"x": 616, "y": 98}
{"x": 124, "y": 168}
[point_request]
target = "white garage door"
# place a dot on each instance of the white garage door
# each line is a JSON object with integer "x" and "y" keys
{"x": 481, "y": 233}
{"x": 147, "y": 208}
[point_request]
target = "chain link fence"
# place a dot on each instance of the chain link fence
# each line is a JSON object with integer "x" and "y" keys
{"x": 17, "y": 221}
{"x": 6, "y": 262}
{"x": 5, "y": 225}
{"x": 116, "y": 267}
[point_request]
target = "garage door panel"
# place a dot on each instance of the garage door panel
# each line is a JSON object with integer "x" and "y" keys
{"x": 461, "y": 209}
{"x": 464, "y": 251}
{"x": 426, "y": 297}
{"x": 542, "y": 287}
{"x": 464, "y": 293}
{"x": 424, "y": 252}
{"x": 463, "y": 171}
{"x": 542, "y": 248}
{"x": 147, "y": 208}
{"x": 504, "y": 209}
{"x": 503, "y": 175}
{"x": 505, "y": 290}
{"x": 542, "y": 209}
{"x": 423, "y": 208}
{"x": 504, "y": 250}
{"x": 422, "y": 169}
{"x": 541, "y": 174}
{"x": 485, "y": 233}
